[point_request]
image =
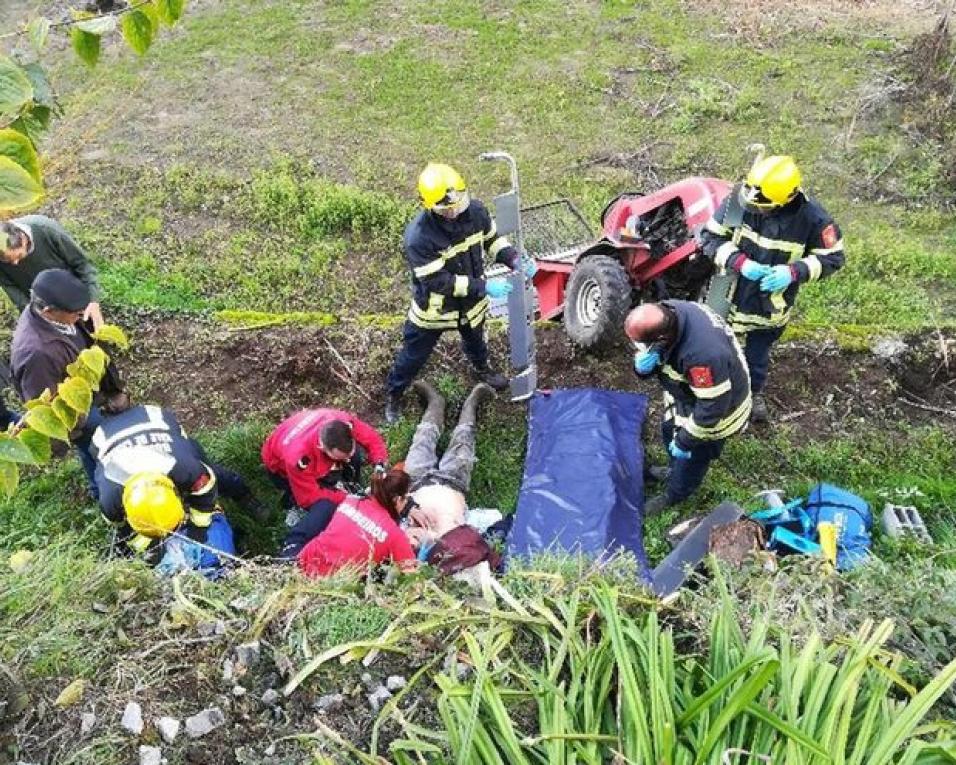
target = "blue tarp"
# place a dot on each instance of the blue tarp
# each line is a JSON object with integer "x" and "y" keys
{"x": 583, "y": 487}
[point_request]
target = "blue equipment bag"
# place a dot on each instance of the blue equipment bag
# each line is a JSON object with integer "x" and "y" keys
{"x": 850, "y": 514}
{"x": 583, "y": 487}
{"x": 218, "y": 536}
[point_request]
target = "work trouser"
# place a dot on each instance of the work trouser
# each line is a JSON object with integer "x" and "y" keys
{"x": 417, "y": 346}
{"x": 83, "y": 443}
{"x": 757, "y": 344}
{"x": 454, "y": 469}
{"x": 686, "y": 476}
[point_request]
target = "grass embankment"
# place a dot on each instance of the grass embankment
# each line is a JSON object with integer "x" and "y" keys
{"x": 280, "y": 195}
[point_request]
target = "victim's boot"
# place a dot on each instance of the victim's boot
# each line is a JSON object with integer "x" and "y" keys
{"x": 432, "y": 401}
{"x": 469, "y": 410}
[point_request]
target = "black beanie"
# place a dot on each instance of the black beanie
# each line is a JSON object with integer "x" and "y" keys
{"x": 58, "y": 288}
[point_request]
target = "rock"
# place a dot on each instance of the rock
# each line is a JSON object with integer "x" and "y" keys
{"x": 888, "y": 347}
{"x": 238, "y": 691}
{"x": 227, "y": 670}
{"x": 87, "y": 721}
{"x": 368, "y": 681}
{"x": 133, "y": 718}
{"x": 395, "y": 683}
{"x": 205, "y": 722}
{"x": 168, "y": 728}
{"x": 94, "y": 155}
{"x": 378, "y": 697}
{"x": 150, "y": 755}
{"x": 330, "y": 703}
{"x": 248, "y": 653}
{"x": 209, "y": 629}
{"x": 270, "y": 750}
{"x": 271, "y": 697}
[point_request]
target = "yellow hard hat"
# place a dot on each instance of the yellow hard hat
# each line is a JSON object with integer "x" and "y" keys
{"x": 442, "y": 189}
{"x": 153, "y": 508}
{"x": 771, "y": 183}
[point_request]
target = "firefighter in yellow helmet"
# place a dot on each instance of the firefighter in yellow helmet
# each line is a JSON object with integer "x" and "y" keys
{"x": 445, "y": 247}
{"x": 775, "y": 237}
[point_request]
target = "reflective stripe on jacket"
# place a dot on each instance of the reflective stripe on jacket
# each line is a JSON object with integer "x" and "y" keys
{"x": 800, "y": 234}
{"x": 446, "y": 260}
{"x": 704, "y": 376}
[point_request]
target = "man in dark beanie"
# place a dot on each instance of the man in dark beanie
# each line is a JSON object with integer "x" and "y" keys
{"x": 35, "y": 243}
{"x": 49, "y": 336}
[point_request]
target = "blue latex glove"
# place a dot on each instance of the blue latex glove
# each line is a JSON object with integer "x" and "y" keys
{"x": 777, "y": 280}
{"x": 498, "y": 288}
{"x": 753, "y": 270}
{"x": 529, "y": 267}
{"x": 676, "y": 452}
{"x": 646, "y": 362}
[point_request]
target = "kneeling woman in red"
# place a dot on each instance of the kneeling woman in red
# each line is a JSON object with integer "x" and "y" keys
{"x": 364, "y": 531}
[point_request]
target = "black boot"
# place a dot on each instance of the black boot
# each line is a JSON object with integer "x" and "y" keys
{"x": 656, "y": 505}
{"x": 657, "y": 474}
{"x": 469, "y": 410}
{"x": 432, "y": 401}
{"x": 393, "y": 408}
{"x": 490, "y": 377}
{"x": 759, "y": 413}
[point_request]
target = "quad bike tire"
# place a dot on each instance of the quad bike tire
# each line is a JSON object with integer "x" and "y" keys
{"x": 596, "y": 301}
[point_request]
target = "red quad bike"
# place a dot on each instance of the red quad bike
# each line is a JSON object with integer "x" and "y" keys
{"x": 648, "y": 250}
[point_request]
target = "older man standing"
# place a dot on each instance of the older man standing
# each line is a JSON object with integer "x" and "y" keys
{"x": 35, "y": 243}
{"x": 49, "y": 336}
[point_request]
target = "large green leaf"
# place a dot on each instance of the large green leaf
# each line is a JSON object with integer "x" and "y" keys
{"x": 9, "y": 478}
{"x": 86, "y": 45}
{"x": 137, "y": 30}
{"x": 99, "y": 25}
{"x": 110, "y": 333}
{"x": 44, "y": 420}
{"x": 18, "y": 189}
{"x": 19, "y": 148}
{"x": 79, "y": 369}
{"x": 15, "y": 88}
{"x": 95, "y": 358}
{"x": 66, "y": 413}
{"x": 38, "y": 444}
{"x": 77, "y": 393}
{"x": 13, "y": 450}
{"x": 170, "y": 11}
{"x": 42, "y": 90}
{"x": 33, "y": 123}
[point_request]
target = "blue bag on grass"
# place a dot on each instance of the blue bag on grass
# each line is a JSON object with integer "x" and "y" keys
{"x": 850, "y": 514}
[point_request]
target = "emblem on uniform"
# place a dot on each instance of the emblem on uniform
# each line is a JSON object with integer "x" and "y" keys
{"x": 303, "y": 463}
{"x": 701, "y": 377}
{"x": 829, "y": 236}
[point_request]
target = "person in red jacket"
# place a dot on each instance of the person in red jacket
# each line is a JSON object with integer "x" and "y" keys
{"x": 364, "y": 531}
{"x": 312, "y": 456}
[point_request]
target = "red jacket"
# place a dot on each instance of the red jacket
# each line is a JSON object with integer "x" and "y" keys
{"x": 360, "y": 533}
{"x": 292, "y": 451}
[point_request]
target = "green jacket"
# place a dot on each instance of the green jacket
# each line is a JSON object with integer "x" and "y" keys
{"x": 52, "y": 247}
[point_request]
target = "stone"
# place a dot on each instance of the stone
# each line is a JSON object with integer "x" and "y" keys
{"x": 888, "y": 348}
{"x": 378, "y": 697}
{"x": 395, "y": 683}
{"x": 227, "y": 670}
{"x": 168, "y": 728}
{"x": 210, "y": 629}
{"x": 204, "y": 722}
{"x": 133, "y": 718}
{"x": 238, "y": 691}
{"x": 87, "y": 721}
{"x": 150, "y": 755}
{"x": 271, "y": 697}
{"x": 368, "y": 681}
{"x": 248, "y": 653}
{"x": 329, "y": 703}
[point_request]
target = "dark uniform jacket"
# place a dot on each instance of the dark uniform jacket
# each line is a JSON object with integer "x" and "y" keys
{"x": 157, "y": 430}
{"x": 41, "y": 353}
{"x": 446, "y": 258}
{"x": 704, "y": 376}
{"x": 50, "y": 247}
{"x": 800, "y": 234}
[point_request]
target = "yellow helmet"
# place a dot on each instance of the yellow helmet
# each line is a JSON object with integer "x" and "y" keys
{"x": 771, "y": 183}
{"x": 153, "y": 507}
{"x": 443, "y": 190}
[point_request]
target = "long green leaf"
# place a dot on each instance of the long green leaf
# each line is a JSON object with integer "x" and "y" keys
{"x": 16, "y": 91}
{"x": 790, "y": 731}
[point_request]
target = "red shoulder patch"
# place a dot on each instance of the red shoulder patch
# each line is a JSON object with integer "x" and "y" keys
{"x": 701, "y": 377}
{"x": 829, "y": 236}
{"x": 200, "y": 483}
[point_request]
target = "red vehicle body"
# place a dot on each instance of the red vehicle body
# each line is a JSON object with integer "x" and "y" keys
{"x": 647, "y": 250}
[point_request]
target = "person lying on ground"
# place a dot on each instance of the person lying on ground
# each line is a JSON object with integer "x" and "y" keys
{"x": 34, "y": 243}
{"x": 364, "y": 531}
{"x": 49, "y": 336}
{"x": 313, "y": 457}
{"x": 149, "y": 439}
{"x": 436, "y": 519}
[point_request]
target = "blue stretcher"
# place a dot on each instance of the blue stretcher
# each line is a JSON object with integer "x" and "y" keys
{"x": 583, "y": 487}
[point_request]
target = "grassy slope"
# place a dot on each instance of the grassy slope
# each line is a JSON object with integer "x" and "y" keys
{"x": 306, "y": 91}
